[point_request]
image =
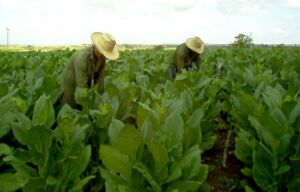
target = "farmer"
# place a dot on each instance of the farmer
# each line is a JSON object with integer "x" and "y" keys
{"x": 86, "y": 67}
{"x": 186, "y": 55}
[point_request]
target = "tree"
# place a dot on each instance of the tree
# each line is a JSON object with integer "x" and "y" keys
{"x": 242, "y": 40}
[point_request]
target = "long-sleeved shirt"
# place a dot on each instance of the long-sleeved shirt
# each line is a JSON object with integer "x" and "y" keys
{"x": 183, "y": 58}
{"x": 83, "y": 70}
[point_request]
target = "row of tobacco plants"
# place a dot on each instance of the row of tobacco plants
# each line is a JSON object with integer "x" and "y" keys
{"x": 146, "y": 132}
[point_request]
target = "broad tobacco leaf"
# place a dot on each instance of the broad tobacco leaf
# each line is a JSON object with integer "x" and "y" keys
{"x": 43, "y": 113}
{"x": 115, "y": 161}
{"x": 174, "y": 130}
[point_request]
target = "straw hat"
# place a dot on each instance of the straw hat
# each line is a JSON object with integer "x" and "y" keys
{"x": 195, "y": 44}
{"x": 105, "y": 44}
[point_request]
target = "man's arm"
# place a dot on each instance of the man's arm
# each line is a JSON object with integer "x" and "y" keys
{"x": 81, "y": 75}
{"x": 100, "y": 79}
{"x": 180, "y": 57}
{"x": 179, "y": 61}
{"x": 198, "y": 61}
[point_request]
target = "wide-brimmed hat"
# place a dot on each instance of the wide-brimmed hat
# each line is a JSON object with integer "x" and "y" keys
{"x": 105, "y": 44}
{"x": 195, "y": 44}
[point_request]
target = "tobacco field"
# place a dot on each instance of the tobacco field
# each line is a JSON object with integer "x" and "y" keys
{"x": 148, "y": 133}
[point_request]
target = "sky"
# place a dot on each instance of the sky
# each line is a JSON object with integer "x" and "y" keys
{"x": 70, "y": 22}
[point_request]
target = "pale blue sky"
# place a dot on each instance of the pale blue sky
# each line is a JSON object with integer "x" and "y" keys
{"x": 46, "y": 22}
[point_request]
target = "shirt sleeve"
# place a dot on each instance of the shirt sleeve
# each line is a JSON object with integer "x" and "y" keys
{"x": 179, "y": 57}
{"x": 100, "y": 79}
{"x": 81, "y": 74}
{"x": 198, "y": 62}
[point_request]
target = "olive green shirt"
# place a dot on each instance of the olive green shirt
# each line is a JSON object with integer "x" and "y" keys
{"x": 83, "y": 70}
{"x": 184, "y": 58}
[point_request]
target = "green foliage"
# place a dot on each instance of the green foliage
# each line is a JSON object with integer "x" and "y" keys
{"x": 267, "y": 122}
{"x": 242, "y": 40}
{"x": 146, "y": 132}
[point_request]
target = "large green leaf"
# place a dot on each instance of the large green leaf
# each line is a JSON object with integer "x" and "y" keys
{"x": 43, "y": 113}
{"x": 245, "y": 103}
{"x": 147, "y": 132}
{"x": 268, "y": 129}
{"x": 142, "y": 80}
{"x": 9, "y": 182}
{"x": 112, "y": 181}
{"x": 244, "y": 146}
{"x": 38, "y": 139}
{"x": 259, "y": 90}
{"x": 35, "y": 184}
{"x": 187, "y": 101}
{"x": 284, "y": 147}
{"x": 263, "y": 168}
{"x": 79, "y": 185}
{"x": 128, "y": 141}
{"x": 115, "y": 160}
{"x": 7, "y": 117}
{"x": 294, "y": 114}
{"x": 279, "y": 116}
{"x": 20, "y": 165}
{"x": 184, "y": 186}
{"x": 4, "y": 89}
{"x": 147, "y": 174}
{"x": 196, "y": 118}
{"x": 175, "y": 172}
{"x": 66, "y": 123}
{"x": 5, "y": 149}
{"x": 203, "y": 82}
{"x": 114, "y": 130}
{"x": 144, "y": 112}
{"x": 127, "y": 101}
{"x": 18, "y": 103}
{"x": 190, "y": 163}
{"x": 193, "y": 132}
{"x": 121, "y": 81}
{"x": 202, "y": 174}
{"x": 249, "y": 77}
{"x": 159, "y": 154}
{"x": 80, "y": 163}
{"x": 273, "y": 96}
{"x": 20, "y": 128}
{"x": 174, "y": 130}
{"x": 9, "y": 95}
{"x": 84, "y": 97}
{"x": 103, "y": 116}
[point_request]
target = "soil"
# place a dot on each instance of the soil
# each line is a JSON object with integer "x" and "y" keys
{"x": 220, "y": 178}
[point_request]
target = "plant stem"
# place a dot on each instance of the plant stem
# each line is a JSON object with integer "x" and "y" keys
{"x": 226, "y": 148}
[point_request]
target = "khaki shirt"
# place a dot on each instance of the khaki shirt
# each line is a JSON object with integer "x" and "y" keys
{"x": 184, "y": 58}
{"x": 84, "y": 71}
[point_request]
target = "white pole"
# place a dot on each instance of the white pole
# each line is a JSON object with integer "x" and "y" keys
{"x": 7, "y": 36}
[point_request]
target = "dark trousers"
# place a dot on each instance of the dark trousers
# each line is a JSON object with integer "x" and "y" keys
{"x": 172, "y": 73}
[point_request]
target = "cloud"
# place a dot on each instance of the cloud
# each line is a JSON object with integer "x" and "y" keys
{"x": 277, "y": 30}
{"x": 106, "y": 6}
{"x": 144, "y": 21}
{"x": 179, "y": 5}
{"x": 244, "y": 7}
{"x": 294, "y": 3}
{"x": 142, "y": 7}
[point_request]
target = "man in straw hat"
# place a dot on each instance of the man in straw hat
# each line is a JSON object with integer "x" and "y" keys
{"x": 86, "y": 66}
{"x": 186, "y": 55}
